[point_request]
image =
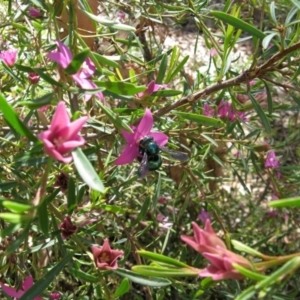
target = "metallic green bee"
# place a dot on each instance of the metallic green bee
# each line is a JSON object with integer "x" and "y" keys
{"x": 150, "y": 159}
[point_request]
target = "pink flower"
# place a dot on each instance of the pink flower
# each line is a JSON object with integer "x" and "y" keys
{"x": 33, "y": 77}
{"x": 204, "y": 215}
{"x": 54, "y": 296}
{"x": 222, "y": 265}
{"x": 131, "y": 151}
{"x": 271, "y": 160}
{"x": 224, "y": 110}
{"x": 67, "y": 228}
{"x": 26, "y": 285}
{"x": 34, "y": 13}
{"x": 62, "y": 136}
{"x": 163, "y": 222}
{"x": 208, "y": 111}
{"x": 63, "y": 57}
{"x": 105, "y": 258}
{"x": 206, "y": 242}
{"x": 9, "y": 57}
{"x": 213, "y": 52}
{"x": 152, "y": 87}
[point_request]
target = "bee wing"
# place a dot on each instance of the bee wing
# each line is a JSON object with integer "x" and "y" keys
{"x": 175, "y": 154}
{"x": 143, "y": 168}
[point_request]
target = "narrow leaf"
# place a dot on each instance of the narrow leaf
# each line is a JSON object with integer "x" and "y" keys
{"x": 200, "y": 119}
{"x": 123, "y": 288}
{"x": 162, "y": 258}
{"x": 77, "y": 62}
{"x": 264, "y": 120}
{"x": 238, "y": 23}
{"x": 143, "y": 280}
{"x": 46, "y": 280}
{"x": 13, "y": 120}
{"x": 86, "y": 171}
{"x": 289, "y": 202}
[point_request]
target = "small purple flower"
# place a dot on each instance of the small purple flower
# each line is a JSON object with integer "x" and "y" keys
{"x": 271, "y": 160}
{"x": 17, "y": 294}
{"x": 131, "y": 151}
{"x": 208, "y": 111}
{"x": 62, "y": 136}
{"x": 9, "y": 57}
{"x": 63, "y": 57}
{"x": 152, "y": 87}
{"x": 224, "y": 110}
{"x": 204, "y": 215}
{"x": 34, "y": 13}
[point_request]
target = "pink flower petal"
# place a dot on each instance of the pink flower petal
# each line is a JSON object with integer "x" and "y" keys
{"x": 62, "y": 56}
{"x": 145, "y": 126}
{"x": 60, "y": 117}
{"x": 129, "y": 153}
{"x": 160, "y": 138}
{"x": 28, "y": 283}
{"x": 128, "y": 136}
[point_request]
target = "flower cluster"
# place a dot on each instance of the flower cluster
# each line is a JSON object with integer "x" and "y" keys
{"x": 207, "y": 243}
{"x": 63, "y": 57}
{"x": 225, "y": 110}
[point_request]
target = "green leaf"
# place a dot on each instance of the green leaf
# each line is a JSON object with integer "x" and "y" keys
{"x": 264, "y": 120}
{"x": 267, "y": 40}
{"x": 47, "y": 78}
{"x": 162, "y": 69}
{"x": 296, "y": 3}
{"x": 38, "y": 102}
{"x": 16, "y": 243}
{"x": 46, "y": 280}
{"x": 77, "y": 62}
{"x": 109, "y": 23}
{"x": 287, "y": 269}
{"x": 200, "y": 119}
{"x": 288, "y": 202}
{"x": 14, "y": 218}
{"x": 143, "y": 280}
{"x": 78, "y": 274}
{"x": 238, "y": 23}
{"x": 71, "y": 196}
{"x": 15, "y": 207}
{"x": 13, "y": 120}
{"x": 162, "y": 258}
{"x": 43, "y": 218}
{"x": 86, "y": 171}
{"x": 123, "y": 288}
{"x": 159, "y": 271}
{"x": 248, "y": 273}
{"x": 123, "y": 88}
{"x": 244, "y": 248}
{"x": 143, "y": 210}
{"x": 273, "y": 12}
{"x": 107, "y": 60}
{"x": 115, "y": 119}
{"x": 21, "y": 27}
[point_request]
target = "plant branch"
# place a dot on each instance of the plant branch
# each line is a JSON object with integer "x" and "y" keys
{"x": 248, "y": 75}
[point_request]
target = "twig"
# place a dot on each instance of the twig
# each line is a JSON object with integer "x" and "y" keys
{"x": 257, "y": 72}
